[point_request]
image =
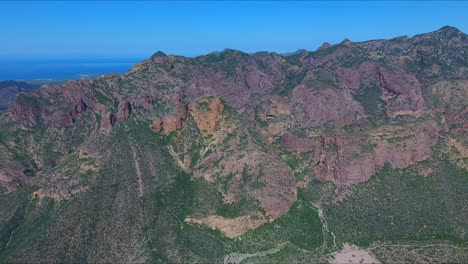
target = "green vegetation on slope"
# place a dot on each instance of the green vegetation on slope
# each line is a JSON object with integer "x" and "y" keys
{"x": 398, "y": 205}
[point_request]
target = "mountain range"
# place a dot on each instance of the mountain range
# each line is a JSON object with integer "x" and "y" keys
{"x": 354, "y": 152}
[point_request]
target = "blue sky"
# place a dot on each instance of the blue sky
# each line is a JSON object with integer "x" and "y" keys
{"x": 138, "y": 29}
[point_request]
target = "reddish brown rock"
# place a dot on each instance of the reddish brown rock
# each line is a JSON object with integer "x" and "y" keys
{"x": 313, "y": 108}
{"x": 207, "y": 113}
{"x": 348, "y": 160}
{"x": 404, "y": 146}
{"x": 402, "y": 92}
{"x": 295, "y": 143}
{"x": 167, "y": 124}
{"x": 107, "y": 122}
{"x": 124, "y": 110}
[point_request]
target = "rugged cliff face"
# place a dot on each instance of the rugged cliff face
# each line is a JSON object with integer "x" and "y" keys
{"x": 151, "y": 164}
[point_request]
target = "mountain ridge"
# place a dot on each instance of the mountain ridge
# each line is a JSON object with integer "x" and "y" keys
{"x": 443, "y": 30}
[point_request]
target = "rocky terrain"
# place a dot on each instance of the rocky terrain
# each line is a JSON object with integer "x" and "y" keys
{"x": 9, "y": 89}
{"x": 232, "y": 157}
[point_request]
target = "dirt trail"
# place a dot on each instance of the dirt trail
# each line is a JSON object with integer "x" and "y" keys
{"x": 137, "y": 167}
{"x": 181, "y": 164}
{"x": 416, "y": 246}
{"x": 239, "y": 257}
{"x": 325, "y": 229}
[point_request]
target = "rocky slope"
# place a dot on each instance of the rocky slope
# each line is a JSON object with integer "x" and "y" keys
{"x": 191, "y": 159}
{"x": 9, "y": 89}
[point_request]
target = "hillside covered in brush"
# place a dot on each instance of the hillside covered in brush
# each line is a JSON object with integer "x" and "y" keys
{"x": 9, "y": 89}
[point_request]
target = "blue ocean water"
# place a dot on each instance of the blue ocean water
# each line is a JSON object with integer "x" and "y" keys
{"x": 40, "y": 69}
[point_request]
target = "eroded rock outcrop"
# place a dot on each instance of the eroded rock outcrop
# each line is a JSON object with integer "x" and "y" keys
{"x": 402, "y": 146}
{"x": 354, "y": 159}
{"x": 167, "y": 124}
{"x": 313, "y": 108}
{"x": 207, "y": 113}
{"x": 123, "y": 112}
{"x": 239, "y": 167}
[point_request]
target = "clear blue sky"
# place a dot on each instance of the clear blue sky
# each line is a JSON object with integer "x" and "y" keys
{"x": 138, "y": 29}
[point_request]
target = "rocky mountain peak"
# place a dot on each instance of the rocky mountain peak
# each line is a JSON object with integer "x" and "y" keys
{"x": 449, "y": 29}
{"x": 158, "y": 54}
{"x": 325, "y": 45}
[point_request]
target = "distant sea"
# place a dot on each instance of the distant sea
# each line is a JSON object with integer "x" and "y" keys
{"x": 40, "y": 69}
